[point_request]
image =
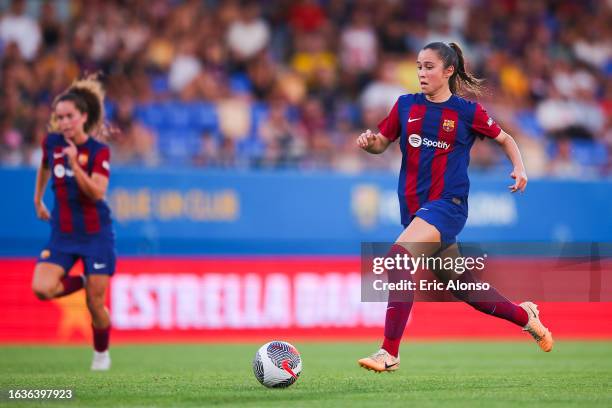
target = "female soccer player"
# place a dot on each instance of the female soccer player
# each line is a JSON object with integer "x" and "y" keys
{"x": 436, "y": 130}
{"x": 81, "y": 226}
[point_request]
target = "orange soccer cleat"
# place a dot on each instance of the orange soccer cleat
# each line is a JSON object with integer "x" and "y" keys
{"x": 534, "y": 326}
{"x": 380, "y": 361}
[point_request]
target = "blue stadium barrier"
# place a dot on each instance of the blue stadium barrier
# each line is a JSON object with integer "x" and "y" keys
{"x": 192, "y": 211}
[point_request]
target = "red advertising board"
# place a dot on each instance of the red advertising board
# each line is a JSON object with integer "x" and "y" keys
{"x": 254, "y": 299}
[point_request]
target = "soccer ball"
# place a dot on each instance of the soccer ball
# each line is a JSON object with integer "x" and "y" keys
{"x": 277, "y": 364}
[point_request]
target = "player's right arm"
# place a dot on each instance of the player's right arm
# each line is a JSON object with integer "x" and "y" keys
{"x": 373, "y": 143}
{"x": 390, "y": 129}
{"x": 42, "y": 178}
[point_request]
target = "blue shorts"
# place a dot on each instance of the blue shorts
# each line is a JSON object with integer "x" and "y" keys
{"x": 103, "y": 263}
{"x": 447, "y": 215}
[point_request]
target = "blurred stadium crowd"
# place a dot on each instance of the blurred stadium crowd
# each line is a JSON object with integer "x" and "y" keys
{"x": 283, "y": 83}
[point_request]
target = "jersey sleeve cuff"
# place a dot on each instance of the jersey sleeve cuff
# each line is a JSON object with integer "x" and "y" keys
{"x": 499, "y": 130}
{"x": 101, "y": 172}
{"x": 392, "y": 139}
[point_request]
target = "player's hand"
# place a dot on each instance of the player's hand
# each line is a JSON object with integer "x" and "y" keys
{"x": 366, "y": 139}
{"x": 520, "y": 180}
{"x": 70, "y": 151}
{"x": 42, "y": 212}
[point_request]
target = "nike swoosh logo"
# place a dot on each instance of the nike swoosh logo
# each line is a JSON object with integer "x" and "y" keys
{"x": 423, "y": 208}
{"x": 387, "y": 366}
{"x": 98, "y": 266}
{"x": 413, "y": 120}
{"x": 287, "y": 368}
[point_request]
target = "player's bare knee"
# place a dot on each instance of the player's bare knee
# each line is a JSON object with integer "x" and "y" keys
{"x": 42, "y": 292}
{"x": 46, "y": 280}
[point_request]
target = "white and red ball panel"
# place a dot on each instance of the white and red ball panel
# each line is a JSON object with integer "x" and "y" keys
{"x": 277, "y": 364}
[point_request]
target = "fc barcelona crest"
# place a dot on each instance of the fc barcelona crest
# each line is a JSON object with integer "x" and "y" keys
{"x": 83, "y": 157}
{"x": 448, "y": 125}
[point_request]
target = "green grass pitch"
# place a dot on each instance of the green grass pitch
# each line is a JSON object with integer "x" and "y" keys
{"x": 433, "y": 374}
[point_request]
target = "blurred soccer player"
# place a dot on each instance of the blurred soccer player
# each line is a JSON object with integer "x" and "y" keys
{"x": 436, "y": 130}
{"x": 81, "y": 226}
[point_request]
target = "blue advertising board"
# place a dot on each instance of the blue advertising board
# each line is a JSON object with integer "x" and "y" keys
{"x": 192, "y": 211}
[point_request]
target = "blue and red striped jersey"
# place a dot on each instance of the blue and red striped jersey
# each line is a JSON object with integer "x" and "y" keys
{"x": 435, "y": 139}
{"x": 76, "y": 217}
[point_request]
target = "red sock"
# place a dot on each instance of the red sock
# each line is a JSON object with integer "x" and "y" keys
{"x": 101, "y": 338}
{"x": 398, "y": 306}
{"x": 392, "y": 346}
{"x": 494, "y": 303}
{"x": 509, "y": 311}
{"x": 71, "y": 284}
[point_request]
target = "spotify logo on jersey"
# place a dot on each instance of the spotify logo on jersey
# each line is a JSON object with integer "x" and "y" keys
{"x": 414, "y": 140}
{"x": 59, "y": 171}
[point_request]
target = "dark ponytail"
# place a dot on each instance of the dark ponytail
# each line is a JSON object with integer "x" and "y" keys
{"x": 87, "y": 94}
{"x": 461, "y": 80}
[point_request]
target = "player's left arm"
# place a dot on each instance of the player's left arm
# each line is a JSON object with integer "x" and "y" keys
{"x": 93, "y": 186}
{"x": 509, "y": 146}
{"x": 484, "y": 125}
